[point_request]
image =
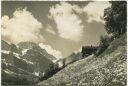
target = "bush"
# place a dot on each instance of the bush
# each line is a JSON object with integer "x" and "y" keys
{"x": 88, "y": 50}
{"x": 104, "y": 43}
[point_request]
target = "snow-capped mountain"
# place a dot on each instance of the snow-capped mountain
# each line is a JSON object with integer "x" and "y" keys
{"x": 25, "y": 59}
{"x": 26, "y": 46}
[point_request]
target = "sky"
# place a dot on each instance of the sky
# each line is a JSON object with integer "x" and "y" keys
{"x": 59, "y": 27}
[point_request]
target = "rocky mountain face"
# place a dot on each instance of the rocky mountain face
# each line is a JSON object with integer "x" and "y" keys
{"x": 24, "y": 64}
{"x": 108, "y": 69}
{"x": 24, "y": 46}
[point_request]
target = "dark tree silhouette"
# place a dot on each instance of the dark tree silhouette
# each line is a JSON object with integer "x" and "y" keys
{"x": 103, "y": 44}
{"x": 88, "y": 50}
{"x": 116, "y": 18}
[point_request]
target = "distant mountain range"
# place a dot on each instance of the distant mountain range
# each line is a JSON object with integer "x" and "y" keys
{"x": 26, "y": 61}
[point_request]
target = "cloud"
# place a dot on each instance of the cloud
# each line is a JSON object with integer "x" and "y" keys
{"x": 51, "y": 51}
{"x": 21, "y": 27}
{"x": 68, "y": 23}
{"x": 78, "y": 50}
{"x": 95, "y": 10}
{"x": 50, "y": 30}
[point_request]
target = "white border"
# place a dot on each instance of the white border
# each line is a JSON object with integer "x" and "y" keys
{"x": 62, "y": 0}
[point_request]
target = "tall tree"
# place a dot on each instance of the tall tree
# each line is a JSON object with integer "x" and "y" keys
{"x": 116, "y": 18}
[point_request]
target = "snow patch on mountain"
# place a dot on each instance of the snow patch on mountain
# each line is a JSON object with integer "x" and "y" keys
{"x": 24, "y": 51}
{"x": 51, "y": 51}
{"x": 5, "y": 51}
{"x": 9, "y": 72}
{"x": 36, "y": 73}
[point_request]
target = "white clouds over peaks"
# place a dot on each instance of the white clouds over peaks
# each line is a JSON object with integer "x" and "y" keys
{"x": 50, "y": 30}
{"x": 95, "y": 10}
{"x": 21, "y": 27}
{"x": 68, "y": 23}
{"x": 51, "y": 51}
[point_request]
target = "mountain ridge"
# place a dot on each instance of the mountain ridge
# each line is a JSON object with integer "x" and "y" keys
{"x": 27, "y": 60}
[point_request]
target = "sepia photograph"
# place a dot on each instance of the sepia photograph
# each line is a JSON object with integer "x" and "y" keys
{"x": 63, "y": 43}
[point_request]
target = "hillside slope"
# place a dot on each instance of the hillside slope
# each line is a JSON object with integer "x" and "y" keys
{"x": 108, "y": 69}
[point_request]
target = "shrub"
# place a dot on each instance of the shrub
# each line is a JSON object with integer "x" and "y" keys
{"x": 104, "y": 43}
